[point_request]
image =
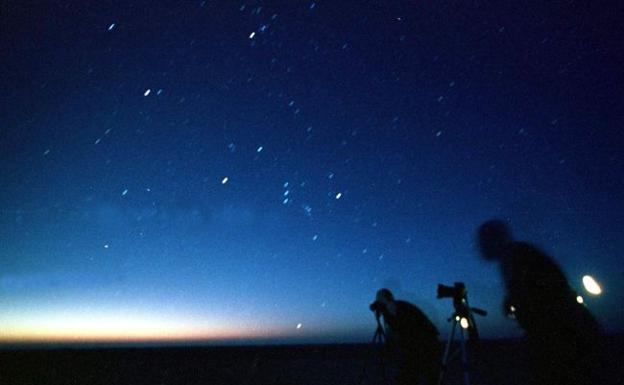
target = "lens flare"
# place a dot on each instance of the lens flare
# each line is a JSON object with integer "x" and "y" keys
{"x": 591, "y": 285}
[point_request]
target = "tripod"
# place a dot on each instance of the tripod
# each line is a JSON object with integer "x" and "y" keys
{"x": 455, "y": 319}
{"x": 463, "y": 317}
{"x": 380, "y": 335}
{"x": 379, "y": 339}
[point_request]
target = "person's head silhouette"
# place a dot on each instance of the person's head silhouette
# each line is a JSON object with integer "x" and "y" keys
{"x": 494, "y": 239}
{"x": 386, "y": 300}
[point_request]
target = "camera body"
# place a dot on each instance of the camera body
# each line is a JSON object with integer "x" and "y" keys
{"x": 459, "y": 294}
{"x": 457, "y": 291}
{"x": 377, "y": 307}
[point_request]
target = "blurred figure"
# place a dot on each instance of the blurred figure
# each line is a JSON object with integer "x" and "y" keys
{"x": 411, "y": 337}
{"x": 564, "y": 339}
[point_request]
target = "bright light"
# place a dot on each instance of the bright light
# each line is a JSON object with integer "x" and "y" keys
{"x": 457, "y": 318}
{"x": 464, "y": 323}
{"x": 591, "y": 285}
{"x": 579, "y": 299}
{"x": 224, "y": 180}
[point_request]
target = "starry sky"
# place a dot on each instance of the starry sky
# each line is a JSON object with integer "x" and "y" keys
{"x": 255, "y": 171}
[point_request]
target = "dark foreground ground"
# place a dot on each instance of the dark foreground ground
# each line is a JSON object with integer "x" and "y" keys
{"x": 499, "y": 362}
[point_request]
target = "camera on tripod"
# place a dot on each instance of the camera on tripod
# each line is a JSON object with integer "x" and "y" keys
{"x": 463, "y": 311}
{"x": 462, "y": 316}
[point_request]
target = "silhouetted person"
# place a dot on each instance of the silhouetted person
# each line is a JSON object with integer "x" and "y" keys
{"x": 412, "y": 338}
{"x": 564, "y": 339}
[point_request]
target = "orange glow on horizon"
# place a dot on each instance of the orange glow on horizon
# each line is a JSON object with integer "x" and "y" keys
{"x": 128, "y": 329}
{"x": 44, "y": 339}
{"x": 126, "y": 337}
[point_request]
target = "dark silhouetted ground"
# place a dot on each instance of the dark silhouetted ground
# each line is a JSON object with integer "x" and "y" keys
{"x": 499, "y": 362}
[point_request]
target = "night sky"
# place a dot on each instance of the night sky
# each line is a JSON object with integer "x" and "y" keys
{"x": 256, "y": 171}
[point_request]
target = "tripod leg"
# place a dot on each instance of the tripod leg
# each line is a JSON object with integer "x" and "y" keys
{"x": 379, "y": 339}
{"x": 464, "y": 354}
{"x": 382, "y": 364}
{"x": 447, "y": 351}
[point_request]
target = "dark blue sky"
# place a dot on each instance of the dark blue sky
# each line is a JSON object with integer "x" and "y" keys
{"x": 363, "y": 144}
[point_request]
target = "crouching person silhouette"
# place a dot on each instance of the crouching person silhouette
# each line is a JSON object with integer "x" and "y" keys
{"x": 411, "y": 337}
{"x": 564, "y": 340}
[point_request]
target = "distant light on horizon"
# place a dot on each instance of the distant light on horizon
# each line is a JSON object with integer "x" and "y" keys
{"x": 591, "y": 285}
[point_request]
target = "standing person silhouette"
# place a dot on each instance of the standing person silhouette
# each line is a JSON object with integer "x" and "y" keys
{"x": 563, "y": 337}
{"x": 412, "y": 337}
